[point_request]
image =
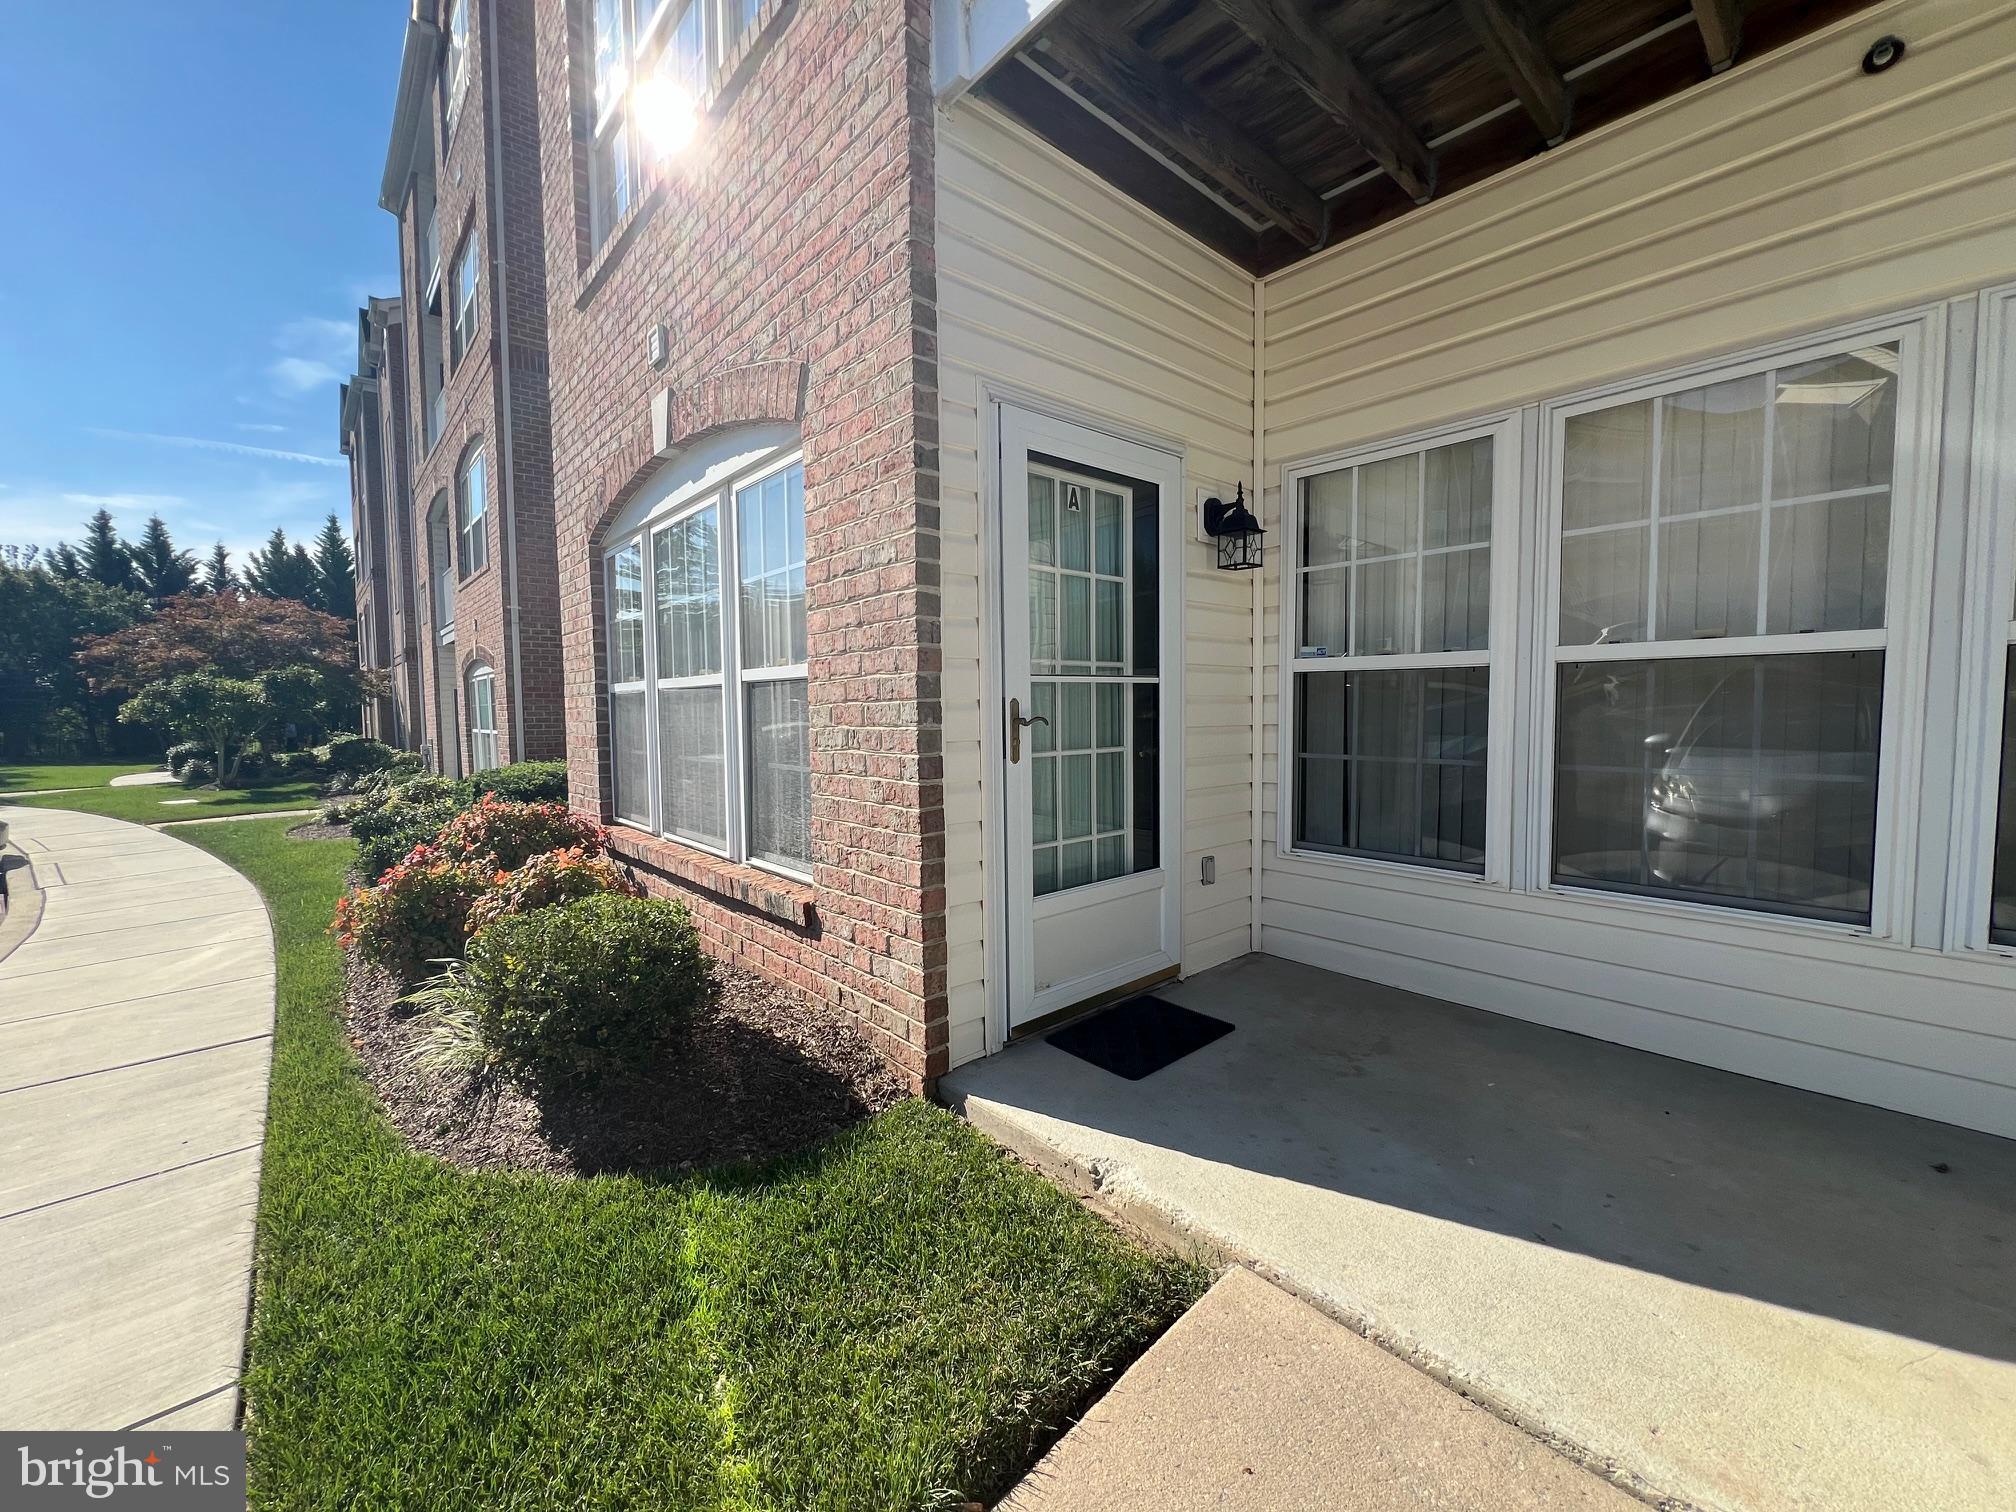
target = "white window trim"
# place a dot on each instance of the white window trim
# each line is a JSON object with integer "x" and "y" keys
{"x": 1987, "y": 632}
{"x": 1913, "y": 511}
{"x": 715, "y": 488}
{"x": 462, "y": 334}
{"x": 1500, "y": 657}
{"x": 456, "y": 80}
{"x": 476, "y": 527}
{"x": 483, "y": 673}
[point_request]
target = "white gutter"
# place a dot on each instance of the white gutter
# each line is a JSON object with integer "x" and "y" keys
{"x": 409, "y": 109}
{"x": 506, "y": 489}
{"x": 1260, "y": 594}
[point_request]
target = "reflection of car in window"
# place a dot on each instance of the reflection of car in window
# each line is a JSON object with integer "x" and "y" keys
{"x": 1747, "y": 799}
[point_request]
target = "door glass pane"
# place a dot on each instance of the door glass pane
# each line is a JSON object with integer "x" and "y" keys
{"x": 1094, "y": 615}
{"x": 2002, "y": 915}
{"x": 1740, "y": 780}
{"x": 1393, "y": 764}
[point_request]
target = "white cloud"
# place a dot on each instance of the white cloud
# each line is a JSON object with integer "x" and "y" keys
{"x": 333, "y": 341}
{"x": 204, "y": 443}
{"x": 149, "y": 502}
{"x": 301, "y": 375}
{"x": 261, "y": 425}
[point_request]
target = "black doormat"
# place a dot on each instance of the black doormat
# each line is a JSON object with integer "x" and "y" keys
{"x": 1139, "y": 1037}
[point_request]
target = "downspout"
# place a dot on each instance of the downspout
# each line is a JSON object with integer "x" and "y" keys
{"x": 1259, "y": 596}
{"x": 507, "y": 489}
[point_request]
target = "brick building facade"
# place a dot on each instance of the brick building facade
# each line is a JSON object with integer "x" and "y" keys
{"x": 373, "y": 429}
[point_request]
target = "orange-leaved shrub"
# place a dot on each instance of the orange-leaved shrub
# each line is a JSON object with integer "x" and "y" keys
{"x": 555, "y": 877}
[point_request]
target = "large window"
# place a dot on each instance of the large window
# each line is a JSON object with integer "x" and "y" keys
{"x": 1723, "y": 575}
{"x": 471, "y": 515}
{"x": 482, "y": 712}
{"x": 1391, "y": 606}
{"x": 708, "y": 700}
{"x": 637, "y": 41}
{"x": 455, "y": 68}
{"x": 468, "y": 275}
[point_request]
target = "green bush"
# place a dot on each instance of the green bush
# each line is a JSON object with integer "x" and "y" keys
{"x": 198, "y": 771}
{"x": 386, "y": 832}
{"x": 354, "y": 755}
{"x": 556, "y": 876}
{"x": 523, "y": 782}
{"x": 570, "y": 993}
{"x": 296, "y": 764}
{"x": 182, "y": 753}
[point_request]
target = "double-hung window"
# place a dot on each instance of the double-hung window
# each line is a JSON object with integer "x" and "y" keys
{"x": 706, "y": 621}
{"x": 635, "y": 41}
{"x": 468, "y": 276}
{"x": 1390, "y": 607}
{"x": 471, "y": 515}
{"x": 455, "y": 69}
{"x": 482, "y": 712}
{"x": 1723, "y": 579}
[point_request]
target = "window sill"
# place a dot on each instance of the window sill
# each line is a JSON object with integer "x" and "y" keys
{"x": 765, "y": 892}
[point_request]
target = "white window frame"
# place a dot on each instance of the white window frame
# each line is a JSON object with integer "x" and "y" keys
{"x": 472, "y": 516}
{"x": 715, "y": 490}
{"x": 1500, "y": 657}
{"x": 1913, "y": 508}
{"x": 1988, "y": 630}
{"x": 482, "y": 737}
{"x": 455, "y": 67}
{"x": 468, "y": 314}
{"x": 647, "y": 26}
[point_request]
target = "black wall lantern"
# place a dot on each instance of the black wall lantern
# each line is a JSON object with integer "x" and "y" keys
{"x": 1235, "y": 530}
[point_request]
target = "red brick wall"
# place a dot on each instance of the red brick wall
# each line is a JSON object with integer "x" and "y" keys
{"x": 494, "y": 143}
{"x": 797, "y": 231}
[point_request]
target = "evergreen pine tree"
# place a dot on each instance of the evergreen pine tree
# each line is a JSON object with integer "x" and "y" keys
{"x": 159, "y": 569}
{"x": 335, "y": 573}
{"x": 64, "y": 563}
{"x": 266, "y": 567}
{"x": 217, "y": 574}
{"x": 105, "y": 558}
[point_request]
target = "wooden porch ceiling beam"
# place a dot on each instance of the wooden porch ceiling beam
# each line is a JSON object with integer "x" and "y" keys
{"x": 1519, "y": 52}
{"x": 1721, "y": 23}
{"x": 1282, "y": 30}
{"x": 1127, "y": 82}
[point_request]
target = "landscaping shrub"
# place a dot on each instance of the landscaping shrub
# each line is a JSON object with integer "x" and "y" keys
{"x": 296, "y": 763}
{"x": 180, "y": 754}
{"x": 556, "y": 877}
{"x": 354, "y": 755}
{"x": 523, "y": 782}
{"x": 503, "y": 835}
{"x": 387, "y": 832}
{"x": 570, "y": 993}
{"x": 198, "y": 771}
{"x": 418, "y": 912}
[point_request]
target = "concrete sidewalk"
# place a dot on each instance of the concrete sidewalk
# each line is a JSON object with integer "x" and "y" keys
{"x": 1256, "y": 1401}
{"x": 136, "y": 1028}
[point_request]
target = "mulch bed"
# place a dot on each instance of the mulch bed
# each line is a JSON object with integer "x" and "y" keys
{"x": 764, "y": 1072}
{"x": 316, "y": 830}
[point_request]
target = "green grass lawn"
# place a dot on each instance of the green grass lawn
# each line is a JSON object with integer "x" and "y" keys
{"x": 153, "y": 805}
{"x": 899, "y": 1318}
{"x": 76, "y": 774}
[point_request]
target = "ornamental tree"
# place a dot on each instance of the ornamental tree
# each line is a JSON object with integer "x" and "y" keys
{"x": 234, "y": 634}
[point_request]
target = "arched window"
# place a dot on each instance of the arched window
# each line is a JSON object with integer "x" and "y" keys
{"x": 471, "y": 514}
{"x": 481, "y": 707}
{"x": 706, "y": 622}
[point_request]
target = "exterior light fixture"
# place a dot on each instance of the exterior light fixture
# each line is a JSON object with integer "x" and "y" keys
{"x": 1235, "y": 530}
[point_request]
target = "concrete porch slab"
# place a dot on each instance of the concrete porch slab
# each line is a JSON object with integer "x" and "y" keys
{"x": 1255, "y": 1401}
{"x": 1714, "y": 1289}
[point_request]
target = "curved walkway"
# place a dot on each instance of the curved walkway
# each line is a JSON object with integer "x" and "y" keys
{"x": 136, "y": 1024}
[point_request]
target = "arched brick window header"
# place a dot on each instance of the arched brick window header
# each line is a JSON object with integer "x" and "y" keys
{"x": 752, "y": 394}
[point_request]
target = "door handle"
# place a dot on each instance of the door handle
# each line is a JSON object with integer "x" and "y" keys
{"x": 1016, "y": 725}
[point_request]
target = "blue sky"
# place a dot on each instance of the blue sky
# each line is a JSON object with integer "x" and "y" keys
{"x": 191, "y": 192}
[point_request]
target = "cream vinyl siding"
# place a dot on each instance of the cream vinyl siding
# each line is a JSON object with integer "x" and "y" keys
{"x": 1788, "y": 196}
{"x": 1052, "y": 283}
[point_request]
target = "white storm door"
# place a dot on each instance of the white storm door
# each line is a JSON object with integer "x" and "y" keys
{"x": 1091, "y": 637}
